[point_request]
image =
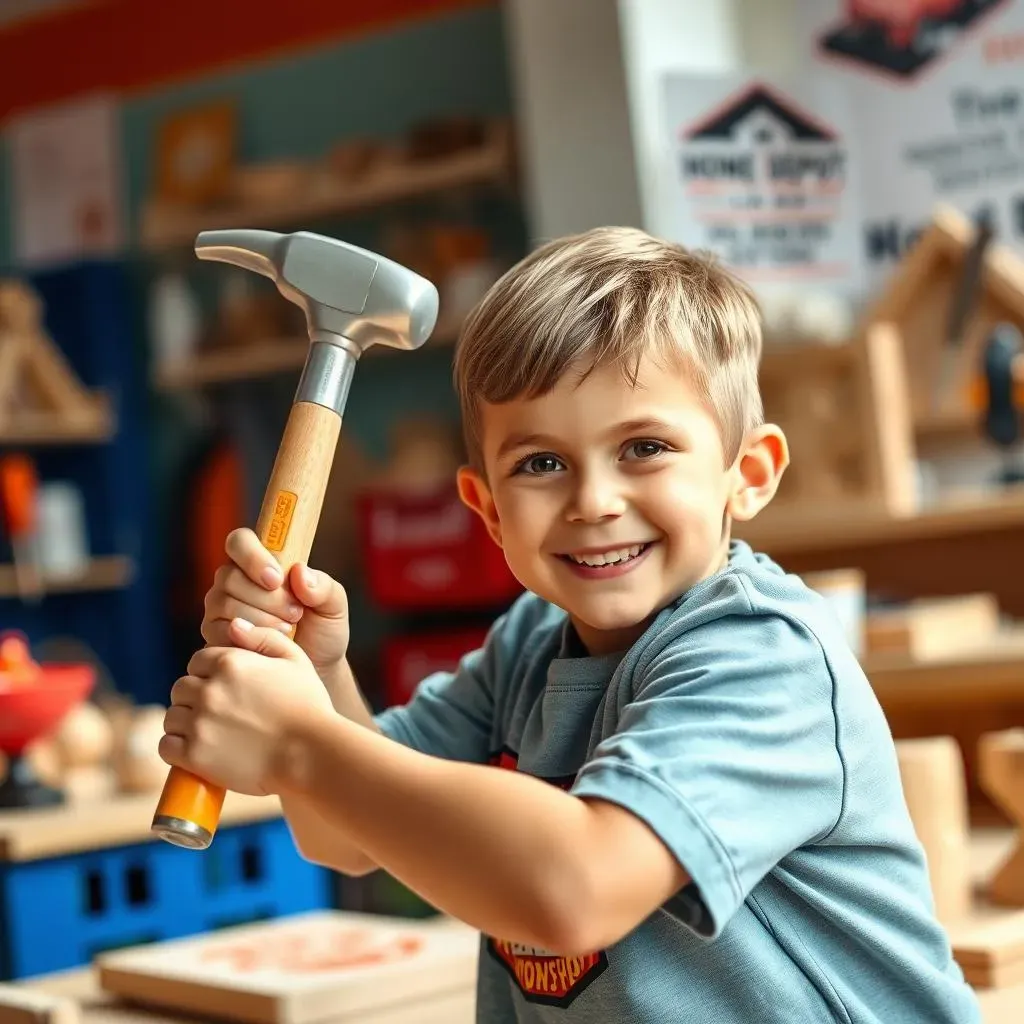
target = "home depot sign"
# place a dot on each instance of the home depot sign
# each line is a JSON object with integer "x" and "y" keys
{"x": 764, "y": 180}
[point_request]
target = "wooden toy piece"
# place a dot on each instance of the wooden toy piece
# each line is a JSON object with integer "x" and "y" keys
{"x": 845, "y": 411}
{"x": 934, "y": 786}
{"x": 933, "y": 627}
{"x": 40, "y": 395}
{"x": 84, "y": 744}
{"x": 1001, "y": 771}
{"x": 139, "y": 767}
{"x": 23, "y": 1006}
{"x": 928, "y": 302}
{"x": 991, "y": 953}
{"x": 325, "y": 965}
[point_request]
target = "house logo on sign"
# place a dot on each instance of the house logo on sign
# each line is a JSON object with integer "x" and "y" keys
{"x": 902, "y": 37}
{"x": 765, "y": 181}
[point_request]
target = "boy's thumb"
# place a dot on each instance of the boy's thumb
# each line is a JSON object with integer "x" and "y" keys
{"x": 319, "y": 591}
{"x": 261, "y": 639}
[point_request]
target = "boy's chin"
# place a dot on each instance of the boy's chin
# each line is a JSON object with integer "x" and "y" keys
{"x": 613, "y": 617}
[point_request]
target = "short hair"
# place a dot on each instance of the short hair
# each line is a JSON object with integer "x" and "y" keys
{"x": 612, "y": 295}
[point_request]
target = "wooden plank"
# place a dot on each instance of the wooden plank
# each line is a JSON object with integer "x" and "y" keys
{"x": 22, "y": 1006}
{"x": 302, "y": 969}
{"x": 35, "y": 833}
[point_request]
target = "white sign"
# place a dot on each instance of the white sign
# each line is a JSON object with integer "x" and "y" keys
{"x": 66, "y": 182}
{"x": 936, "y": 90}
{"x": 765, "y": 179}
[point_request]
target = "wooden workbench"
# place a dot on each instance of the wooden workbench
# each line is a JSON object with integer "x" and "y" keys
{"x": 98, "y": 1007}
{"x": 37, "y": 832}
{"x": 999, "y": 1006}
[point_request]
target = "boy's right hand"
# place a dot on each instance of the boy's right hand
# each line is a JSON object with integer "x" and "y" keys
{"x": 251, "y": 586}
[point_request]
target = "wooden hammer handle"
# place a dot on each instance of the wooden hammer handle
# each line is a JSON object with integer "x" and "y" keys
{"x": 286, "y": 526}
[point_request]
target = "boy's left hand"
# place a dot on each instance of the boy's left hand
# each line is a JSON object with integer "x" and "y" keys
{"x": 231, "y": 713}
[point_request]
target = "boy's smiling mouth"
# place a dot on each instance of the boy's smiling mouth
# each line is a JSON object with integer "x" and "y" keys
{"x": 600, "y": 563}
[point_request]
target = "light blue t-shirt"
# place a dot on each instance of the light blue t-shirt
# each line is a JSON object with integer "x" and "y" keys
{"x": 742, "y": 729}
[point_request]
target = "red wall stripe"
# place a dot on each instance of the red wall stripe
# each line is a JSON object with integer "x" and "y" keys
{"x": 128, "y": 45}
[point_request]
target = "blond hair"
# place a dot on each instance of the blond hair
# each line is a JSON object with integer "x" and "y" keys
{"x": 610, "y": 296}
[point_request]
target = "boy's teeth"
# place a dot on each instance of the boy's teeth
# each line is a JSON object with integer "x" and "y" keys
{"x": 609, "y": 557}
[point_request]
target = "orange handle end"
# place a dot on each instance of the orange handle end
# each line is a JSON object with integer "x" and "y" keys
{"x": 188, "y": 811}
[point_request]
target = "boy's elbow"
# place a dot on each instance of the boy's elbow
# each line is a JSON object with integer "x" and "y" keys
{"x": 352, "y": 863}
{"x": 566, "y": 917}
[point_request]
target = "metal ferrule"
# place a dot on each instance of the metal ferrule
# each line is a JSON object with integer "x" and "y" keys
{"x": 327, "y": 375}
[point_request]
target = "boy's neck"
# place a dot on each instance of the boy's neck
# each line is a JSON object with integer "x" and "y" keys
{"x": 582, "y": 642}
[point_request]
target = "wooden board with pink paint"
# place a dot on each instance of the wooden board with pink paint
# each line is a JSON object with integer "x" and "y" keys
{"x": 325, "y": 967}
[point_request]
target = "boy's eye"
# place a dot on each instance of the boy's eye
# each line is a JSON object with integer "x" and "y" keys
{"x": 645, "y": 449}
{"x": 540, "y": 464}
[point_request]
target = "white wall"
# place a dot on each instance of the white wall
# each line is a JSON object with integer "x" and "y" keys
{"x": 660, "y": 36}
{"x": 572, "y": 112}
{"x": 586, "y": 80}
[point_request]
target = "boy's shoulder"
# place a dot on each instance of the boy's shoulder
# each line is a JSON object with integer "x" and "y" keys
{"x": 751, "y": 606}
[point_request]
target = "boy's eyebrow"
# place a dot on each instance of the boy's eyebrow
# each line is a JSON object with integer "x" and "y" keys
{"x": 514, "y": 441}
{"x": 638, "y": 426}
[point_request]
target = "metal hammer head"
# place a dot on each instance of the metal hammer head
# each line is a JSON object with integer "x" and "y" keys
{"x": 345, "y": 291}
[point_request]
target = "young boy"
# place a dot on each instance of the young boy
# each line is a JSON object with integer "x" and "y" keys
{"x": 663, "y": 790}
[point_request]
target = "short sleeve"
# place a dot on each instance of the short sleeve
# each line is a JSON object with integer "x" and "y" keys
{"x": 727, "y": 749}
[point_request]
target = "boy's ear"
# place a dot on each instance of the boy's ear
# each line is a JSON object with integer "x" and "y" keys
{"x": 758, "y": 470}
{"x": 475, "y": 494}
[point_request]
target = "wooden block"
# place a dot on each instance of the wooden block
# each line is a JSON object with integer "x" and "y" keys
{"x": 991, "y": 954}
{"x": 932, "y": 774}
{"x": 1001, "y": 772}
{"x": 933, "y": 627}
{"x": 323, "y": 966}
{"x": 21, "y": 1006}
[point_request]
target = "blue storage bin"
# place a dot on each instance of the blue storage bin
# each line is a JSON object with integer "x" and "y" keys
{"x": 59, "y": 912}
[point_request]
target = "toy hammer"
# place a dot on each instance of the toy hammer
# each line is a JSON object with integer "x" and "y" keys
{"x": 352, "y": 299}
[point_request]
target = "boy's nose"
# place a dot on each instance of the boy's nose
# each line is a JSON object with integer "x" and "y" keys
{"x": 596, "y": 498}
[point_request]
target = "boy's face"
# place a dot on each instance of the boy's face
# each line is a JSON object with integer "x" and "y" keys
{"x": 610, "y": 501}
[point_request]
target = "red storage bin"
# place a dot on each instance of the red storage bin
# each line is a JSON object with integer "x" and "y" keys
{"x": 428, "y": 551}
{"x": 409, "y": 659}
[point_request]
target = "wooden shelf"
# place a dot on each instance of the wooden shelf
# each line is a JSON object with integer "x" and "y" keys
{"x": 849, "y": 526}
{"x": 106, "y": 572}
{"x": 164, "y": 226}
{"x": 986, "y": 673}
{"x": 46, "y": 428}
{"x": 262, "y": 359}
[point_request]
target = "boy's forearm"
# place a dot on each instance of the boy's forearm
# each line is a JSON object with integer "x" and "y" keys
{"x": 497, "y": 849}
{"x": 346, "y": 696}
{"x": 316, "y": 838}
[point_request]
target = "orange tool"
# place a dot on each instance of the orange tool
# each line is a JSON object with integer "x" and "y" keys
{"x": 19, "y": 489}
{"x": 352, "y": 299}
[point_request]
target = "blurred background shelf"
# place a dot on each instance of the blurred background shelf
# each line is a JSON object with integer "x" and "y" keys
{"x": 948, "y": 520}
{"x": 165, "y": 226}
{"x": 43, "y": 428}
{"x": 262, "y": 359}
{"x": 104, "y": 572}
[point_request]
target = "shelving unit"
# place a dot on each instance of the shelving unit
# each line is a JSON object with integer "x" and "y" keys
{"x": 326, "y": 194}
{"x": 261, "y": 358}
{"x": 950, "y": 519}
{"x": 42, "y": 428}
{"x": 104, "y": 572}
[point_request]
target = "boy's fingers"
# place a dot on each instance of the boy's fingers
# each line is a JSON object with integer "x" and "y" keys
{"x": 319, "y": 591}
{"x": 224, "y": 607}
{"x": 243, "y": 547}
{"x": 262, "y": 640}
{"x": 230, "y": 582}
